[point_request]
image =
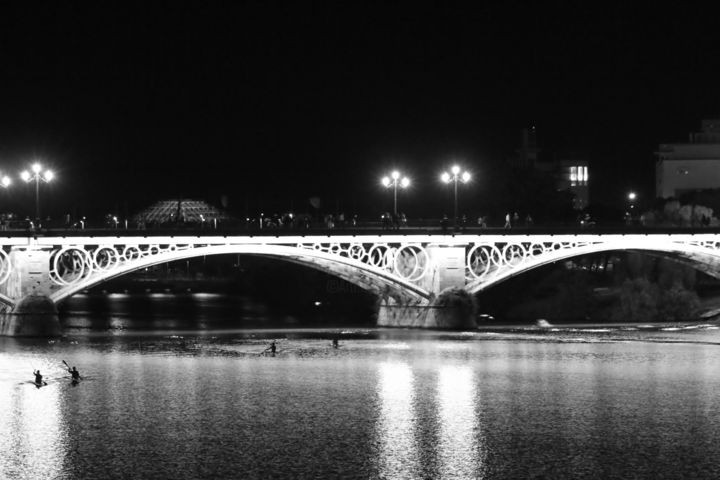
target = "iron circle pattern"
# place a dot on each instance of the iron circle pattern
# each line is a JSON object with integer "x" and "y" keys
{"x": 70, "y": 265}
{"x": 380, "y": 255}
{"x": 105, "y": 258}
{"x": 536, "y": 249}
{"x": 411, "y": 262}
{"x": 512, "y": 251}
{"x": 5, "y": 266}
{"x": 131, "y": 252}
{"x": 357, "y": 251}
{"x": 481, "y": 258}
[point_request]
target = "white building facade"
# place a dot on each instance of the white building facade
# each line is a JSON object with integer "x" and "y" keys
{"x": 692, "y": 166}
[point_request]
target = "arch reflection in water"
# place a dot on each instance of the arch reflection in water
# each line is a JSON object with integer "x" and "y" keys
{"x": 396, "y": 427}
{"x": 32, "y": 441}
{"x": 460, "y": 447}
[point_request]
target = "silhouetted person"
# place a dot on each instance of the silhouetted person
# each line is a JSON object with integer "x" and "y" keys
{"x": 74, "y": 374}
{"x": 272, "y": 348}
{"x": 395, "y": 221}
{"x": 335, "y": 343}
{"x": 38, "y": 378}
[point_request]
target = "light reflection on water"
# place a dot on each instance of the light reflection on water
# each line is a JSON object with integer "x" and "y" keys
{"x": 611, "y": 403}
{"x": 212, "y": 407}
{"x": 396, "y": 426}
{"x": 36, "y": 446}
{"x": 460, "y": 435}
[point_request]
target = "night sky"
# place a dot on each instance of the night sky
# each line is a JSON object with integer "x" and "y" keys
{"x": 269, "y": 105}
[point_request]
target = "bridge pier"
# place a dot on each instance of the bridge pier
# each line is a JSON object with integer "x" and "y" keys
{"x": 34, "y": 314}
{"x": 450, "y": 305}
{"x": 453, "y": 308}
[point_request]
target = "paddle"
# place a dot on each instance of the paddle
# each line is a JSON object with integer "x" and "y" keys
{"x": 269, "y": 349}
{"x": 70, "y": 370}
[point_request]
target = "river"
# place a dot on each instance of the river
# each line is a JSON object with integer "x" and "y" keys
{"x": 182, "y": 395}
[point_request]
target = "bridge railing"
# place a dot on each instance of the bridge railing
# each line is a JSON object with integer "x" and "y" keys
{"x": 354, "y": 230}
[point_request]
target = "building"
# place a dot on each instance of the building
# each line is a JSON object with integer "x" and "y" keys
{"x": 180, "y": 211}
{"x": 572, "y": 174}
{"x": 527, "y": 155}
{"x": 691, "y": 166}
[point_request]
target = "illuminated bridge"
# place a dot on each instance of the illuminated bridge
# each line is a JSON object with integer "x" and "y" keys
{"x": 414, "y": 275}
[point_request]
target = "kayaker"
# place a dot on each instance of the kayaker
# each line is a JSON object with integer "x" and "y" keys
{"x": 74, "y": 374}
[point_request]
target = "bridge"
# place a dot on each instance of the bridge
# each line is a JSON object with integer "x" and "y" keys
{"x": 421, "y": 279}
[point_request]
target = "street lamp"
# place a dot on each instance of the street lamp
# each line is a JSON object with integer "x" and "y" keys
{"x": 455, "y": 176}
{"x": 37, "y": 175}
{"x": 632, "y": 196}
{"x": 395, "y": 180}
{"x": 5, "y": 181}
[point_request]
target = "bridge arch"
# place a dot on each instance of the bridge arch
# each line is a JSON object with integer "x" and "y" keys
{"x": 369, "y": 277}
{"x": 696, "y": 255}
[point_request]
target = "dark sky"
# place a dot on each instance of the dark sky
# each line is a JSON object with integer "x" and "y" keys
{"x": 270, "y": 105}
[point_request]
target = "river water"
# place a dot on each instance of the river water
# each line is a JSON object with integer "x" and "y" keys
{"x": 182, "y": 397}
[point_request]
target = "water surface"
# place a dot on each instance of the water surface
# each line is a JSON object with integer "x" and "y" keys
{"x": 174, "y": 402}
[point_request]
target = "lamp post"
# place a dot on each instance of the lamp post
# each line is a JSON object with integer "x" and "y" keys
{"x": 37, "y": 175}
{"x": 395, "y": 180}
{"x": 454, "y": 176}
{"x": 632, "y": 196}
{"x": 4, "y": 183}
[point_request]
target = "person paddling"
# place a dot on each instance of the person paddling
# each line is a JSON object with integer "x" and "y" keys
{"x": 74, "y": 374}
{"x": 335, "y": 343}
{"x": 272, "y": 348}
{"x": 38, "y": 378}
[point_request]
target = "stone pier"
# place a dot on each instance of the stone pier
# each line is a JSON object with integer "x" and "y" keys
{"x": 450, "y": 305}
{"x": 33, "y": 314}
